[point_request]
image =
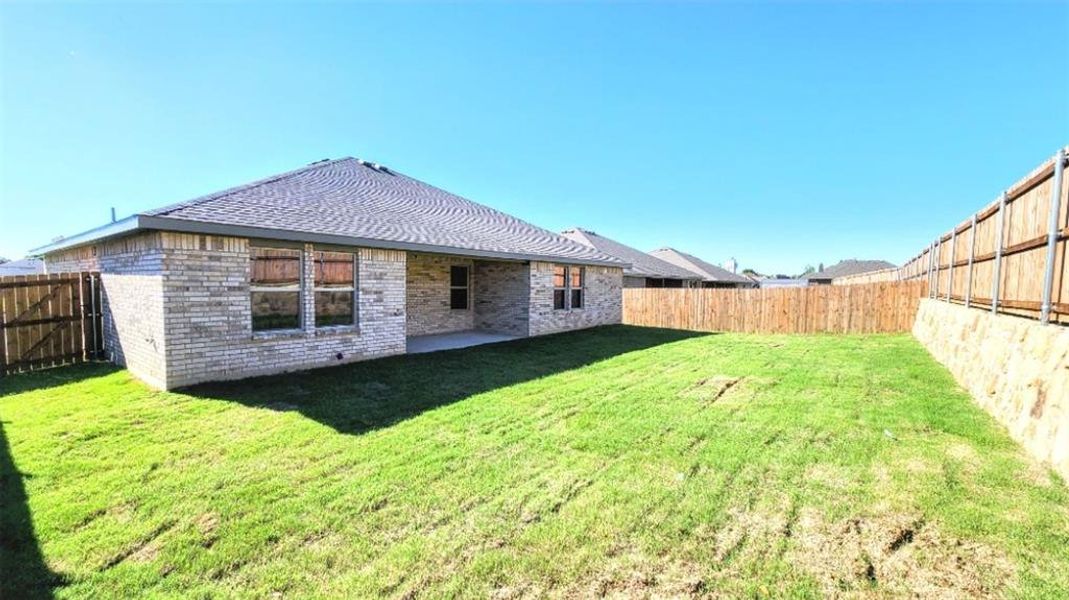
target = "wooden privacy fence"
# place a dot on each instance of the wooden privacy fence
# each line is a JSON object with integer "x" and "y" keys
{"x": 49, "y": 320}
{"x": 1011, "y": 256}
{"x": 866, "y": 308}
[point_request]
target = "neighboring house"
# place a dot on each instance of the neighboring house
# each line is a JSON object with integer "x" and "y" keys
{"x": 784, "y": 282}
{"x": 847, "y": 267}
{"x": 338, "y": 261}
{"x": 26, "y": 266}
{"x": 711, "y": 275}
{"x": 645, "y": 270}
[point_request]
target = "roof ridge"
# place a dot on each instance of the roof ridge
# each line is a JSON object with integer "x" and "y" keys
{"x": 244, "y": 187}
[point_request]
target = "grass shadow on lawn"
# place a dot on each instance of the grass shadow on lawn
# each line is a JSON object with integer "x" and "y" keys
{"x": 361, "y": 397}
{"x": 23, "y": 572}
{"x": 20, "y": 383}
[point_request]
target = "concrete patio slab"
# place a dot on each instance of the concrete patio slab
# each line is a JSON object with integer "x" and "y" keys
{"x": 449, "y": 341}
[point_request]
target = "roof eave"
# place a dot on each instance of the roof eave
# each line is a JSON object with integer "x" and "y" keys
{"x": 148, "y": 222}
{"x": 92, "y": 235}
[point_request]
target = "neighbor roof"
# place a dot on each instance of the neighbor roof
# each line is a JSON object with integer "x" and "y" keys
{"x": 707, "y": 271}
{"x": 353, "y": 202}
{"x": 25, "y": 266}
{"x": 851, "y": 267}
{"x": 642, "y": 264}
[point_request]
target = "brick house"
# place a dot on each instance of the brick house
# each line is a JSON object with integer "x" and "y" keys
{"x": 711, "y": 275}
{"x": 646, "y": 270}
{"x": 339, "y": 261}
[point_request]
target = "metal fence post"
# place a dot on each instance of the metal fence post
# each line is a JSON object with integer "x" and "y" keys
{"x": 996, "y": 280}
{"x": 972, "y": 252}
{"x": 1052, "y": 237}
{"x": 950, "y": 265}
{"x": 930, "y": 259}
{"x": 938, "y": 265}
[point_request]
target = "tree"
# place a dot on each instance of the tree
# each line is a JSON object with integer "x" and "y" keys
{"x": 808, "y": 269}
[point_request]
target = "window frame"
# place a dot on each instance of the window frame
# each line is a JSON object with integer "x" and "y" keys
{"x": 466, "y": 287}
{"x": 351, "y": 289}
{"x": 565, "y": 295}
{"x": 299, "y": 288}
{"x": 581, "y": 289}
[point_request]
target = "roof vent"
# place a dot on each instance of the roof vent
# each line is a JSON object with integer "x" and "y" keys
{"x": 374, "y": 166}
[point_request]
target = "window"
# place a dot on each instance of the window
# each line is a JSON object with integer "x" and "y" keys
{"x": 458, "y": 288}
{"x": 335, "y": 288}
{"x": 577, "y": 281}
{"x": 560, "y": 287}
{"x": 275, "y": 285}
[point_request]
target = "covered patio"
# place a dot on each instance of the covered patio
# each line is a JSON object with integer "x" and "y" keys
{"x": 434, "y": 342}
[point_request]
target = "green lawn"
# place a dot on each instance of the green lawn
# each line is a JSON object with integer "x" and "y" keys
{"x": 619, "y": 461}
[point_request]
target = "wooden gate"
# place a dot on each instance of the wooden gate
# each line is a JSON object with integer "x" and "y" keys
{"x": 49, "y": 320}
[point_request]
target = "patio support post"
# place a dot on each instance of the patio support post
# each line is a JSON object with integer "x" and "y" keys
{"x": 972, "y": 252}
{"x": 996, "y": 280}
{"x": 1052, "y": 236}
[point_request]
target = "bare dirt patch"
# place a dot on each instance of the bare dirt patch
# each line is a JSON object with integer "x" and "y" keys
{"x": 635, "y": 576}
{"x": 900, "y": 554}
{"x": 713, "y": 388}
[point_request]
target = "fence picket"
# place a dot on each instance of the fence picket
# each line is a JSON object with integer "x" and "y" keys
{"x": 44, "y": 320}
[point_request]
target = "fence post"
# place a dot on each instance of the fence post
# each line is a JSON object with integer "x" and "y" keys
{"x": 996, "y": 280}
{"x": 931, "y": 257}
{"x": 950, "y": 265}
{"x": 1052, "y": 237}
{"x": 972, "y": 252}
{"x": 938, "y": 264}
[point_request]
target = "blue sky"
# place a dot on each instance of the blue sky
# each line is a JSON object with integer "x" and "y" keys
{"x": 781, "y": 134}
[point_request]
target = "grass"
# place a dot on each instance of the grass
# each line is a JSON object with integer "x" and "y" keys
{"x": 618, "y": 461}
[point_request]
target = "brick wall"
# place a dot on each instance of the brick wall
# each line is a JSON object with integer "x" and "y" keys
{"x": 209, "y": 317}
{"x": 132, "y": 300}
{"x": 177, "y": 307}
{"x": 502, "y": 296}
{"x": 427, "y": 293}
{"x": 602, "y": 306}
{"x": 178, "y": 310}
{"x": 1015, "y": 368}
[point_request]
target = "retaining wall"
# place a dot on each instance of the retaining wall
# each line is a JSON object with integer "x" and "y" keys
{"x": 1017, "y": 369}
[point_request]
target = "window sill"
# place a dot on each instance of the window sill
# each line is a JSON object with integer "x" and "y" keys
{"x": 337, "y": 330}
{"x": 274, "y": 334}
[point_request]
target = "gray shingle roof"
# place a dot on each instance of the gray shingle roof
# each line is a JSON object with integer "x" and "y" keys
{"x": 851, "y": 267}
{"x": 707, "y": 271}
{"x": 349, "y": 197}
{"x": 642, "y": 264}
{"x": 354, "y": 202}
{"x": 25, "y": 266}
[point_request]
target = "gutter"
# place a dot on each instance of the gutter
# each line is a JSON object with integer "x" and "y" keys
{"x": 149, "y": 222}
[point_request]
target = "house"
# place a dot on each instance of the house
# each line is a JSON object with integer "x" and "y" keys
{"x": 645, "y": 270}
{"x": 341, "y": 260}
{"x": 711, "y": 275}
{"x": 781, "y": 282}
{"x": 847, "y": 267}
{"x": 25, "y": 266}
